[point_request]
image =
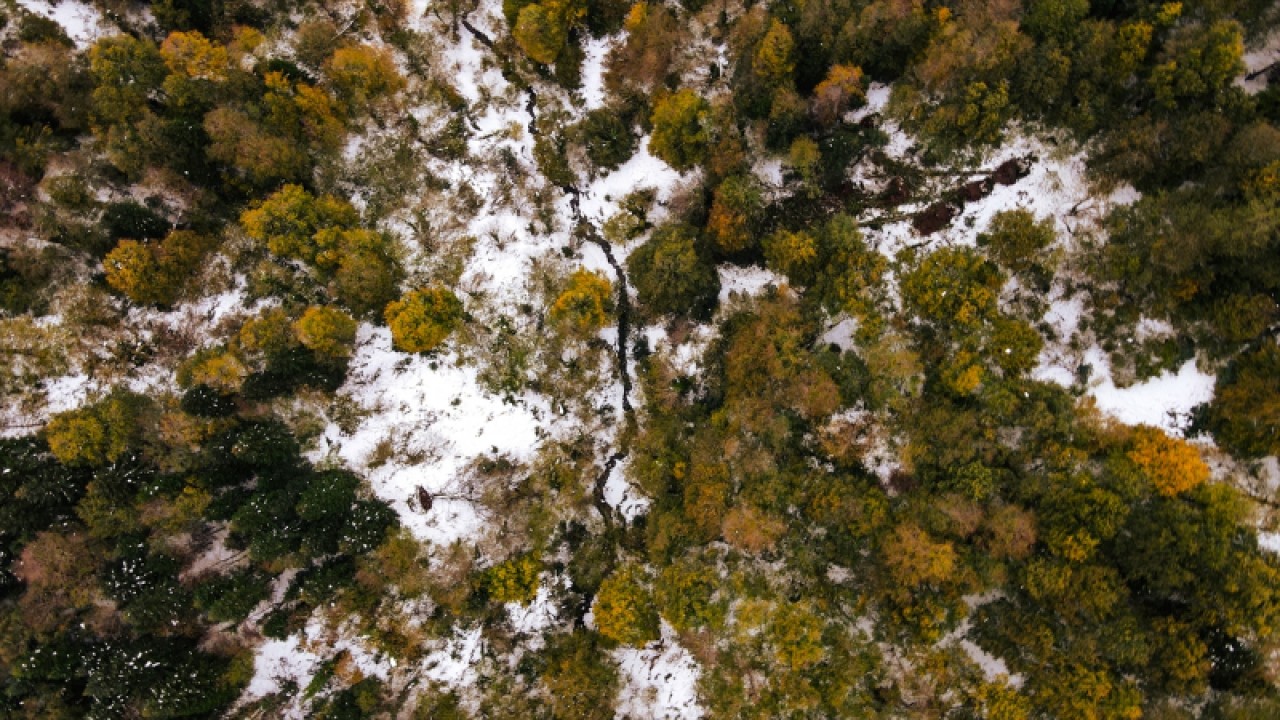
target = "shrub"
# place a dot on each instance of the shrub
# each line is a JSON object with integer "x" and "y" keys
{"x": 585, "y": 303}
{"x": 326, "y": 331}
{"x": 423, "y": 319}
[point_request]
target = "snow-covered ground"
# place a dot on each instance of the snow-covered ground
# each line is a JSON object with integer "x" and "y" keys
{"x": 659, "y": 681}
{"x": 436, "y": 418}
{"x": 82, "y": 22}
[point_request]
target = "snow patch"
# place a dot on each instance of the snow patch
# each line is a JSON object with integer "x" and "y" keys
{"x": 455, "y": 664}
{"x": 659, "y": 681}
{"x": 623, "y": 496}
{"x": 437, "y": 413}
{"x": 82, "y": 22}
{"x": 1165, "y": 401}
{"x": 746, "y": 281}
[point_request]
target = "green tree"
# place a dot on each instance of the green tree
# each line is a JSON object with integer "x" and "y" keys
{"x": 423, "y": 319}
{"x": 127, "y": 74}
{"x": 1244, "y": 415}
{"x": 1016, "y": 240}
{"x": 580, "y": 679}
{"x": 681, "y": 129}
{"x": 672, "y": 276}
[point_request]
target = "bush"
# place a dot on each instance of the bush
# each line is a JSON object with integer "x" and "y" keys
{"x": 423, "y": 319}
{"x": 585, "y": 304}
{"x": 328, "y": 332}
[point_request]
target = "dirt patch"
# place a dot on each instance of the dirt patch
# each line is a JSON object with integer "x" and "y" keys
{"x": 934, "y": 218}
{"x": 1012, "y": 170}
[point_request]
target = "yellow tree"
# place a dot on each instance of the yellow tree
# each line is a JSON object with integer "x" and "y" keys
{"x": 773, "y": 61}
{"x": 841, "y": 90}
{"x": 585, "y": 303}
{"x": 326, "y": 331}
{"x": 623, "y": 608}
{"x": 423, "y": 319}
{"x": 361, "y": 75}
{"x": 681, "y": 129}
{"x": 1173, "y": 466}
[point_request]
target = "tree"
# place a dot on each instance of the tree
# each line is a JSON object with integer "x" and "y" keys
{"x": 671, "y": 275}
{"x": 1244, "y": 415}
{"x": 1016, "y": 240}
{"x": 195, "y": 65}
{"x": 514, "y": 581}
{"x": 361, "y": 75}
{"x": 850, "y": 274}
{"x": 915, "y": 559}
{"x": 681, "y": 129}
{"x": 423, "y": 319}
{"x": 623, "y": 607}
{"x": 127, "y": 73}
{"x": 289, "y": 220}
{"x": 839, "y": 92}
{"x": 326, "y": 331}
{"x": 735, "y": 211}
{"x": 263, "y": 157}
{"x": 585, "y": 304}
{"x": 542, "y": 29}
{"x": 580, "y": 679}
{"x": 953, "y": 287}
{"x": 794, "y": 254}
{"x": 1172, "y": 466}
{"x": 773, "y": 62}
{"x": 685, "y": 592}
{"x": 795, "y": 634}
{"x": 153, "y": 273}
{"x": 98, "y": 434}
{"x": 607, "y": 136}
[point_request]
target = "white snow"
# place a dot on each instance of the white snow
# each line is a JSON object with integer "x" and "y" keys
{"x": 298, "y": 657}
{"x": 82, "y": 22}
{"x": 746, "y": 281}
{"x": 1163, "y": 401}
{"x": 455, "y": 664}
{"x": 437, "y": 411}
{"x": 279, "y": 660}
{"x": 840, "y": 334}
{"x": 1269, "y": 541}
{"x": 595, "y": 50}
{"x": 536, "y": 617}
{"x": 1266, "y": 54}
{"x": 600, "y": 199}
{"x": 620, "y": 494}
{"x": 659, "y": 681}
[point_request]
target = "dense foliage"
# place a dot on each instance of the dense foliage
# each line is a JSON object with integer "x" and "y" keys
{"x": 790, "y": 419}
